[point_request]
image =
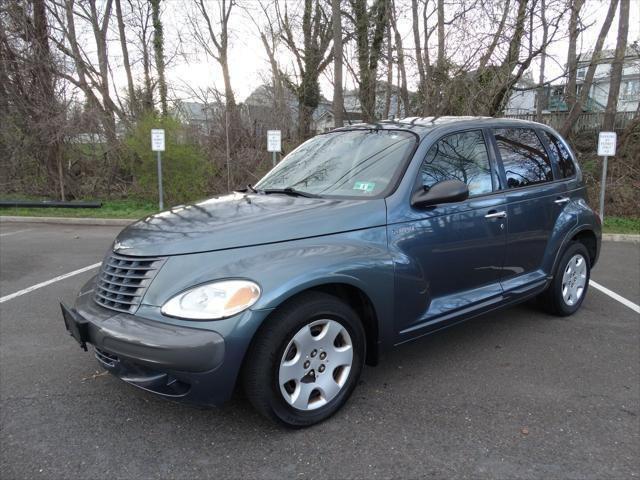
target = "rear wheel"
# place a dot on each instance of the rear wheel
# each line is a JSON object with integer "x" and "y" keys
{"x": 305, "y": 362}
{"x": 570, "y": 283}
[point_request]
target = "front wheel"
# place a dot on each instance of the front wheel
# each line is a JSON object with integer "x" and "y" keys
{"x": 305, "y": 361}
{"x": 570, "y": 283}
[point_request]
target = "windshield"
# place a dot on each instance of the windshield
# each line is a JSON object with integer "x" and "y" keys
{"x": 356, "y": 163}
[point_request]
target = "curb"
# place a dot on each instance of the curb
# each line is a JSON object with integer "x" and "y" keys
{"x": 621, "y": 237}
{"x": 123, "y": 222}
{"x": 113, "y": 222}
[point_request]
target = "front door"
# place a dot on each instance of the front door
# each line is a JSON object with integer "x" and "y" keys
{"x": 448, "y": 258}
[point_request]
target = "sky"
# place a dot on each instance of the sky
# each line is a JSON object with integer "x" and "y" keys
{"x": 191, "y": 71}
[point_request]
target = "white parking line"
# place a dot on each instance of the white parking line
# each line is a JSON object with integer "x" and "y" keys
{"x": 13, "y": 233}
{"x": 615, "y": 296}
{"x": 48, "y": 282}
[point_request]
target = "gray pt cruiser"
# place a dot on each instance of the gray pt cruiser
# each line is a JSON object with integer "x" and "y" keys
{"x": 360, "y": 240}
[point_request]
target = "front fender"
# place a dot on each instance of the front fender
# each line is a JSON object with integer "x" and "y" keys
{"x": 360, "y": 259}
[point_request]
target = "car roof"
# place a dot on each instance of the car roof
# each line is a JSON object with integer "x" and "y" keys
{"x": 425, "y": 125}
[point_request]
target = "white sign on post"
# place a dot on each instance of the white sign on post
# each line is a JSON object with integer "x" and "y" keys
{"x": 274, "y": 141}
{"x": 607, "y": 144}
{"x": 157, "y": 140}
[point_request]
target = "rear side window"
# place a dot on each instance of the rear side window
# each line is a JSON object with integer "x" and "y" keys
{"x": 561, "y": 155}
{"x": 524, "y": 158}
{"x": 460, "y": 156}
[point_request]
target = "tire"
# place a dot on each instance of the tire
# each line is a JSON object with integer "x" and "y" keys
{"x": 565, "y": 294}
{"x": 284, "y": 347}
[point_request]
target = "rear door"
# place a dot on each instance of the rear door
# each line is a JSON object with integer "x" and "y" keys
{"x": 532, "y": 203}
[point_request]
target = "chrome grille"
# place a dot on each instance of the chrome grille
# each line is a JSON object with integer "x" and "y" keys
{"x": 123, "y": 280}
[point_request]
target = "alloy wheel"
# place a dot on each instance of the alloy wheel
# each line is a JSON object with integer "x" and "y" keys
{"x": 315, "y": 365}
{"x": 574, "y": 279}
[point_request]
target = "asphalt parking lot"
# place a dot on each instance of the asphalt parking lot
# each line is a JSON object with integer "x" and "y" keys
{"x": 517, "y": 394}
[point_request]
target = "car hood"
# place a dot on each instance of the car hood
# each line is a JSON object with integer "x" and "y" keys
{"x": 242, "y": 220}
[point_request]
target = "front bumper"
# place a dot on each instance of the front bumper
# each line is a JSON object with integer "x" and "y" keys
{"x": 186, "y": 363}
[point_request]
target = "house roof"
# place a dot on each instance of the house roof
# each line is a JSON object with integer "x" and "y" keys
{"x": 607, "y": 55}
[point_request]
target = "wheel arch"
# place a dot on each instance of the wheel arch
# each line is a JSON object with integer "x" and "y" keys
{"x": 584, "y": 234}
{"x": 356, "y": 298}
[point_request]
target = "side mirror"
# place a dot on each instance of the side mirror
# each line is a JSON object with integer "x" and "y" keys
{"x": 446, "y": 191}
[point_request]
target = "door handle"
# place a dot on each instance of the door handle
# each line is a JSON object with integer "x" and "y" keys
{"x": 501, "y": 214}
{"x": 561, "y": 200}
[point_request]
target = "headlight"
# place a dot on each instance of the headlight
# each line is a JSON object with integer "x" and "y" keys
{"x": 213, "y": 300}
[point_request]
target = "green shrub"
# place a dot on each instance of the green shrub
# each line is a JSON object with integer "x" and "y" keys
{"x": 186, "y": 172}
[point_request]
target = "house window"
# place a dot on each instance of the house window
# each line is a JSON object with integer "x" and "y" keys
{"x": 582, "y": 72}
{"x": 630, "y": 90}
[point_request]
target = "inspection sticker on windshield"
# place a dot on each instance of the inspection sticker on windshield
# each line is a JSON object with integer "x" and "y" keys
{"x": 364, "y": 186}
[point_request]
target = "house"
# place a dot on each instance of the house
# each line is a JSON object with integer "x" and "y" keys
{"x": 198, "y": 116}
{"x": 629, "y": 95}
{"x": 525, "y": 96}
{"x": 325, "y": 120}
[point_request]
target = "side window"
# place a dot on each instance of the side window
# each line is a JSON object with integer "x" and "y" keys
{"x": 561, "y": 155}
{"x": 523, "y": 157}
{"x": 462, "y": 156}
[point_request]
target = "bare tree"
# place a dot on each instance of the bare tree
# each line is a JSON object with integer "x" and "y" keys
{"x": 389, "y": 83}
{"x": 576, "y": 109}
{"x": 572, "y": 58}
{"x": 543, "y": 60}
{"x": 125, "y": 57}
{"x": 93, "y": 80}
{"x": 140, "y": 22}
{"x": 369, "y": 28}
{"x": 338, "y": 98}
{"x": 404, "y": 91}
{"x": 616, "y": 66}
{"x": 311, "y": 58}
{"x": 271, "y": 40}
{"x": 158, "y": 48}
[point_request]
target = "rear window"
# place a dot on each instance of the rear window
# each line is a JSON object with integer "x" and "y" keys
{"x": 561, "y": 155}
{"x": 523, "y": 156}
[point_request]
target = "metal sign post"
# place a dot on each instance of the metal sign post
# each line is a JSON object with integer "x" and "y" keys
{"x": 606, "y": 148}
{"x": 274, "y": 143}
{"x": 157, "y": 145}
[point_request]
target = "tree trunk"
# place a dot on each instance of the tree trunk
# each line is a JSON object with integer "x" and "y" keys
{"x": 369, "y": 53}
{"x": 543, "y": 59}
{"x": 278, "y": 88}
{"x": 576, "y": 110}
{"x": 338, "y": 99}
{"x": 47, "y": 111}
{"x": 441, "y": 46}
{"x": 616, "y": 67}
{"x": 158, "y": 47}
{"x": 147, "y": 101}
{"x": 389, "y": 86}
{"x": 404, "y": 91}
{"x": 422, "y": 80}
{"x": 428, "y": 94}
{"x": 572, "y": 59}
{"x": 125, "y": 59}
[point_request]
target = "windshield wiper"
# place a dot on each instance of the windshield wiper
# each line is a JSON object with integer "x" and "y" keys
{"x": 290, "y": 191}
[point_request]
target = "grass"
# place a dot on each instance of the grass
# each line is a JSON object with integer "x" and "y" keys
{"x": 621, "y": 224}
{"x": 132, "y": 209}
